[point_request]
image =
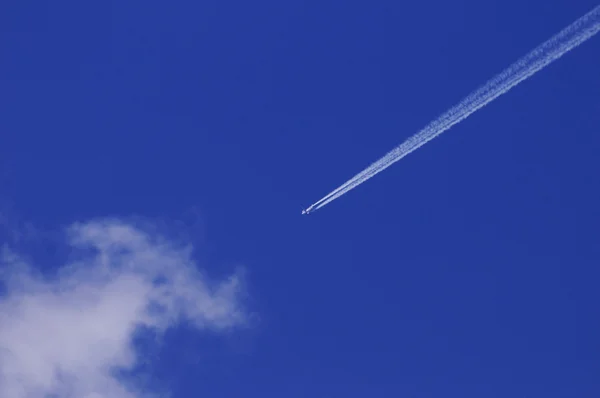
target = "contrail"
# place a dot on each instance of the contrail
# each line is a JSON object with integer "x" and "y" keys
{"x": 566, "y": 40}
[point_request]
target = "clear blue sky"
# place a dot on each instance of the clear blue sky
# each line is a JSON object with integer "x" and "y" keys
{"x": 468, "y": 269}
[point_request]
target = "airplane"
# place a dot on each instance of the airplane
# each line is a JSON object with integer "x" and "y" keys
{"x": 306, "y": 211}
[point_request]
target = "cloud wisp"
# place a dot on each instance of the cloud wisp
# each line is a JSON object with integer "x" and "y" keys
{"x": 71, "y": 334}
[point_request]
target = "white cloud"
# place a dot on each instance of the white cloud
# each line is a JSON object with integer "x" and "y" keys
{"x": 67, "y": 335}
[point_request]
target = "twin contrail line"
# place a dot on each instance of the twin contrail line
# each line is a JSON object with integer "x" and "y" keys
{"x": 564, "y": 41}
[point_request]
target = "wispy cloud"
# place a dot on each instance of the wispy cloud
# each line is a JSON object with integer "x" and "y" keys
{"x": 70, "y": 334}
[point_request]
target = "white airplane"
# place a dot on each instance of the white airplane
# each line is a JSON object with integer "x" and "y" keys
{"x": 306, "y": 211}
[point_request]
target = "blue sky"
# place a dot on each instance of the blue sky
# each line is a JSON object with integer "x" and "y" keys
{"x": 468, "y": 269}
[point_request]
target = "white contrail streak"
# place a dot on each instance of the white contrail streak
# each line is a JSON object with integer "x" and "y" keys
{"x": 566, "y": 40}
